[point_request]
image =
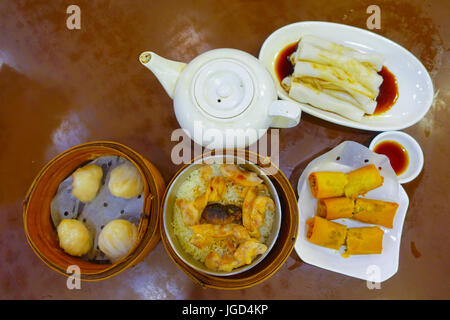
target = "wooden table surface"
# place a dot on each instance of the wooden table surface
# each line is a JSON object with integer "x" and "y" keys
{"x": 61, "y": 87}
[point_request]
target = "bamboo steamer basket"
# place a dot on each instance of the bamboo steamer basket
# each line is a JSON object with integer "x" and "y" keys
{"x": 282, "y": 248}
{"x": 41, "y": 233}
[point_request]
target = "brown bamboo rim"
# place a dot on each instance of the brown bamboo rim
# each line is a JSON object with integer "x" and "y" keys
{"x": 282, "y": 248}
{"x": 39, "y": 229}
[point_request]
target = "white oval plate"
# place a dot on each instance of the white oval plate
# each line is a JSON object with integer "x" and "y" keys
{"x": 414, "y": 83}
{"x": 370, "y": 267}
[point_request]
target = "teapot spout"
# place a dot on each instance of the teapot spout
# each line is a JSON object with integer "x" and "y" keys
{"x": 167, "y": 71}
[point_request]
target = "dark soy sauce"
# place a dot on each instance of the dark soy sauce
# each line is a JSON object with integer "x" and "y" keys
{"x": 397, "y": 154}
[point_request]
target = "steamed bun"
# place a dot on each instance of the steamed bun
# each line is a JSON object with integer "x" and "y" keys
{"x": 117, "y": 238}
{"x": 86, "y": 182}
{"x": 125, "y": 181}
{"x": 74, "y": 237}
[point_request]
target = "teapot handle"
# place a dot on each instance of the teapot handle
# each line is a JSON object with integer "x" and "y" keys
{"x": 284, "y": 114}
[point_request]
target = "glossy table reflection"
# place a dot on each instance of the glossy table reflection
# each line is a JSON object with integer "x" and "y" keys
{"x": 61, "y": 87}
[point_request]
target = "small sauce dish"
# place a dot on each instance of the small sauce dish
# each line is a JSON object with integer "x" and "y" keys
{"x": 403, "y": 151}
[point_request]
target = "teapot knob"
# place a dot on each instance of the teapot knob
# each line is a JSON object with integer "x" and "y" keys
{"x": 223, "y": 88}
{"x": 224, "y": 91}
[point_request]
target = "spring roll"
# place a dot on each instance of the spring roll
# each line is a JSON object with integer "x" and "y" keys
{"x": 375, "y": 212}
{"x": 374, "y": 60}
{"x": 326, "y": 233}
{"x": 362, "y": 180}
{"x": 335, "y": 208}
{"x": 367, "y": 240}
{"x": 306, "y": 93}
{"x": 327, "y": 184}
{"x": 368, "y": 77}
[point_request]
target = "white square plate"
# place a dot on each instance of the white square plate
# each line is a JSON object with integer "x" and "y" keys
{"x": 346, "y": 157}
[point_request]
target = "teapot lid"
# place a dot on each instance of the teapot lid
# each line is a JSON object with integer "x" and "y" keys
{"x": 223, "y": 88}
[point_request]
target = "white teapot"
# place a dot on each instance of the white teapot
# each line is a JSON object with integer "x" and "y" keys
{"x": 224, "y": 98}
